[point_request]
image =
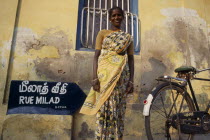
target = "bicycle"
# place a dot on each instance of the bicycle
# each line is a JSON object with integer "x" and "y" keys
{"x": 171, "y": 112}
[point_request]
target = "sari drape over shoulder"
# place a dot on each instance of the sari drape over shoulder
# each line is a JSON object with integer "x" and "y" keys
{"x": 110, "y": 67}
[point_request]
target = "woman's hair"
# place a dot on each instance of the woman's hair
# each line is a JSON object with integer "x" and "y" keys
{"x": 115, "y": 8}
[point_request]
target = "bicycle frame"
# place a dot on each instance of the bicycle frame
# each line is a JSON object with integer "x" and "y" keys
{"x": 193, "y": 93}
{"x": 188, "y": 80}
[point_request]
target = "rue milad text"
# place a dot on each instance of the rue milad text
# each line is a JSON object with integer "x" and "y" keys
{"x": 42, "y": 90}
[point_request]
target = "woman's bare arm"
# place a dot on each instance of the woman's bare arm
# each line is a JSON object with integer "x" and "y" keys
{"x": 131, "y": 67}
{"x": 95, "y": 81}
{"x": 129, "y": 88}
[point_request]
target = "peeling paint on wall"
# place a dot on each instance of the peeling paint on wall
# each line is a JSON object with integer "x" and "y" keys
{"x": 190, "y": 32}
{"x": 182, "y": 40}
{"x": 49, "y": 57}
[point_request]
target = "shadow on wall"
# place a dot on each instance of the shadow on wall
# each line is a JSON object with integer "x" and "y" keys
{"x": 86, "y": 132}
{"x": 148, "y": 78}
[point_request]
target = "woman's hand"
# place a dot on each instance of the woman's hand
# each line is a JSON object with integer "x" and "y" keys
{"x": 129, "y": 88}
{"x": 96, "y": 85}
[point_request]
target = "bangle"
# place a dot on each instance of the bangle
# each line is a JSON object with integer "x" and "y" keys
{"x": 130, "y": 82}
{"x": 94, "y": 79}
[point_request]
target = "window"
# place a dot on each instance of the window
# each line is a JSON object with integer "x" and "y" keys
{"x": 93, "y": 17}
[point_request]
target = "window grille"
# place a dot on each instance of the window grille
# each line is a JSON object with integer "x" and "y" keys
{"x": 94, "y": 17}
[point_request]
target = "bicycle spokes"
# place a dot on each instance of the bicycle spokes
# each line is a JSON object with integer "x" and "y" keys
{"x": 167, "y": 102}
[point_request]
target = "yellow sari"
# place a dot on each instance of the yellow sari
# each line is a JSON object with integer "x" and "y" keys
{"x": 110, "y": 67}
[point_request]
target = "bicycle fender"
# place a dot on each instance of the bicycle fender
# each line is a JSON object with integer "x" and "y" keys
{"x": 147, "y": 104}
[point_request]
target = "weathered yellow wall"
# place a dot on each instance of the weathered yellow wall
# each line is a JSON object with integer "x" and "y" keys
{"x": 173, "y": 33}
{"x": 7, "y": 20}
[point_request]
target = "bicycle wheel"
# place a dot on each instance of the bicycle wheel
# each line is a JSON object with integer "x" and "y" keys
{"x": 168, "y": 100}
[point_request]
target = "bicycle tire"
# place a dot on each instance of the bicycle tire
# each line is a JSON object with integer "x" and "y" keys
{"x": 162, "y": 92}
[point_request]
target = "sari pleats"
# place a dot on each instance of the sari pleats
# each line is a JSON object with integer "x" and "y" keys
{"x": 110, "y": 117}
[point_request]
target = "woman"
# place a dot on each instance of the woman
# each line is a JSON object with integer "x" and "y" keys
{"x": 112, "y": 79}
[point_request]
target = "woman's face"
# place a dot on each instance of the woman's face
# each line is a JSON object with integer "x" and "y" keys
{"x": 116, "y": 18}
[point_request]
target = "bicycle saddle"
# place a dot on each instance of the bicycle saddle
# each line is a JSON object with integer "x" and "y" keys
{"x": 185, "y": 69}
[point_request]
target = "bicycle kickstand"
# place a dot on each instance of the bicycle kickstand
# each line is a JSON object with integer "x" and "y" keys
{"x": 167, "y": 126}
